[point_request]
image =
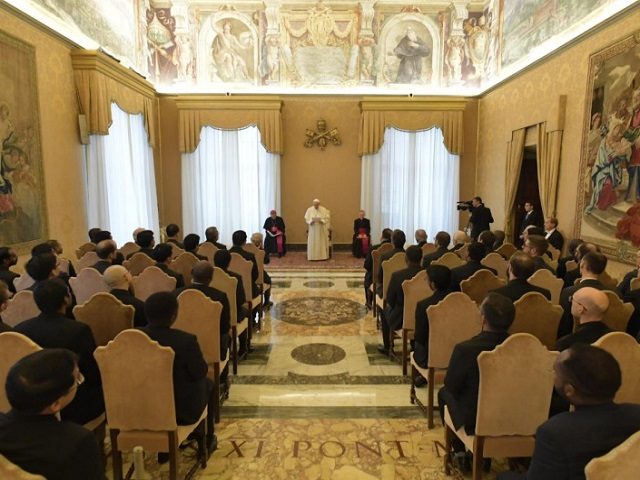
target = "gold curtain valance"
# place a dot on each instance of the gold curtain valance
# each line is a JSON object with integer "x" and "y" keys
{"x": 225, "y": 112}
{"x": 100, "y": 80}
{"x": 411, "y": 114}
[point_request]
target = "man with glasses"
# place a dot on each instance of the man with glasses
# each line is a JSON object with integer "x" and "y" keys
{"x": 39, "y": 387}
{"x": 588, "y": 305}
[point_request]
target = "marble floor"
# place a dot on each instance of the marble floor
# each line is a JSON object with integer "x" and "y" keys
{"x": 315, "y": 400}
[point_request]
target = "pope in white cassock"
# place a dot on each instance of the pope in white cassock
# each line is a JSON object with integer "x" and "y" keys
{"x": 318, "y": 218}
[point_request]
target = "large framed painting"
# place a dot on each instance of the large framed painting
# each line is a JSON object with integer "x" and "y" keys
{"x": 23, "y": 220}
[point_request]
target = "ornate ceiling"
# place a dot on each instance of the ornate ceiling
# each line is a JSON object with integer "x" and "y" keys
{"x": 342, "y": 46}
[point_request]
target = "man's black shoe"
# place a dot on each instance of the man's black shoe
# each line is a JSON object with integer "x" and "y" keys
{"x": 163, "y": 457}
{"x": 419, "y": 381}
{"x": 383, "y": 350}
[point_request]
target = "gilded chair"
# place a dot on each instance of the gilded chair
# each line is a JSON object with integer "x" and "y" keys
{"x": 88, "y": 260}
{"x": 545, "y": 279}
{"x": 138, "y": 263}
{"x": 634, "y": 284}
{"x": 506, "y": 250}
{"x": 453, "y": 320}
{"x": 200, "y": 316}
{"x": 537, "y": 316}
{"x": 516, "y": 381}
{"x": 498, "y": 263}
{"x": 13, "y": 347}
{"x": 375, "y": 257}
{"x": 14, "y": 472}
{"x": 428, "y": 248}
{"x": 626, "y": 351}
{"x": 621, "y": 463}
{"x": 571, "y": 265}
{"x": 449, "y": 260}
{"x": 463, "y": 251}
{"x": 608, "y": 281}
{"x": 554, "y": 252}
{"x": 618, "y": 314}
{"x": 183, "y": 264}
{"x": 208, "y": 250}
{"x": 106, "y": 316}
{"x": 88, "y": 282}
{"x": 389, "y": 267}
{"x": 137, "y": 381}
{"x": 129, "y": 248}
{"x": 23, "y": 282}
{"x": 478, "y": 285}
{"x": 84, "y": 248}
{"x": 176, "y": 251}
{"x": 259, "y": 254}
{"x": 243, "y": 268}
{"x": 20, "y": 307}
{"x": 152, "y": 280}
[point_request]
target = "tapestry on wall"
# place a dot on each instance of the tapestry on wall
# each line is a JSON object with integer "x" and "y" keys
{"x": 609, "y": 191}
{"x": 22, "y": 199}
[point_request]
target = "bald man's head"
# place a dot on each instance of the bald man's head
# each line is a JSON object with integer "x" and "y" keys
{"x": 202, "y": 272}
{"x": 589, "y": 304}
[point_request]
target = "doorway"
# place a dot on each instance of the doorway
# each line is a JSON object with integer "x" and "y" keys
{"x": 527, "y": 191}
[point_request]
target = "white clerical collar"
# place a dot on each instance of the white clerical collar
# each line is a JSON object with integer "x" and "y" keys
{"x": 550, "y": 232}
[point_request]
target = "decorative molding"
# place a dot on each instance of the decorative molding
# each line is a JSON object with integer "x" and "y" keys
{"x": 224, "y": 102}
{"x": 413, "y": 104}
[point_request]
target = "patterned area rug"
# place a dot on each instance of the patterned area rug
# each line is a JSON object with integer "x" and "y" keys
{"x": 298, "y": 261}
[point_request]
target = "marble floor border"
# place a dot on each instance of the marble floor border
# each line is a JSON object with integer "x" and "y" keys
{"x": 374, "y": 412}
{"x": 337, "y": 379}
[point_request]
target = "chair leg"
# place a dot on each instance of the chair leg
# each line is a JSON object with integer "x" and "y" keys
{"x": 101, "y": 433}
{"x": 116, "y": 454}
{"x": 173, "y": 456}
{"x": 202, "y": 445}
{"x": 234, "y": 348}
{"x": 405, "y": 340}
{"x": 216, "y": 391}
{"x": 412, "y": 392}
{"x": 430, "y": 389}
{"x": 448, "y": 440}
{"x": 478, "y": 458}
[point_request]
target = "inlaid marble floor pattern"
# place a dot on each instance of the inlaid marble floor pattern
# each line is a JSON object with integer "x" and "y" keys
{"x": 315, "y": 400}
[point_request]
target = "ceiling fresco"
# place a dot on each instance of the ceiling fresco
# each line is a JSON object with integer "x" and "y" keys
{"x": 281, "y": 46}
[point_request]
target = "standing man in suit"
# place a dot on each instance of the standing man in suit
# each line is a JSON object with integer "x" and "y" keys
{"x": 442, "y": 241}
{"x": 392, "y": 315}
{"x": 521, "y": 267}
{"x": 531, "y": 217}
{"x": 162, "y": 255}
{"x": 588, "y": 377}
{"x": 480, "y": 219}
{"x": 39, "y": 387}
{"x": 460, "y": 391}
{"x": 552, "y": 235}
{"x": 212, "y": 235}
{"x": 588, "y": 305}
{"x": 8, "y": 259}
{"x": 51, "y": 329}
{"x": 475, "y": 253}
{"x": 118, "y": 279}
{"x": 368, "y": 267}
{"x": 361, "y": 242}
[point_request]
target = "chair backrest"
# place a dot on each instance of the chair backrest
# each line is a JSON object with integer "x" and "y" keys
{"x": 499, "y": 264}
{"x": 626, "y": 351}
{"x": 546, "y": 279}
{"x": 375, "y": 257}
{"x": 227, "y": 285}
{"x": 571, "y": 265}
{"x": 176, "y": 251}
{"x": 449, "y": 260}
{"x": 13, "y": 347}
{"x": 63, "y": 265}
{"x": 621, "y": 463}
{"x": 106, "y": 316}
{"x": 129, "y": 248}
{"x": 88, "y": 282}
{"x": 428, "y": 248}
{"x": 453, "y": 320}
{"x": 415, "y": 289}
{"x": 618, "y": 314}
{"x": 151, "y": 281}
{"x": 138, "y": 263}
{"x": 23, "y": 282}
{"x": 208, "y": 250}
{"x": 537, "y": 316}
{"x": 506, "y": 250}
{"x": 14, "y": 472}
{"x": 634, "y": 284}
{"x": 20, "y": 307}
{"x": 84, "y": 248}
{"x": 259, "y": 254}
{"x": 478, "y": 285}
{"x": 463, "y": 251}
{"x": 88, "y": 259}
{"x": 137, "y": 382}
{"x": 183, "y": 265}
{"x": 395, "y": 263}
{"x": 516, "y": 381}
{"x": 200, "y": 316}
{"x": 554, "y": 252}
{"x": 243, "y": 268}
{"x": 608, "y": 281}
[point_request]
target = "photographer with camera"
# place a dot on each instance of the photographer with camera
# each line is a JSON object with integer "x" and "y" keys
{"x": 480, "y": 216}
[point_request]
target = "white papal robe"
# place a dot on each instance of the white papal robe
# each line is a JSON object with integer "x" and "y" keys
{"x": 318, "y": 220}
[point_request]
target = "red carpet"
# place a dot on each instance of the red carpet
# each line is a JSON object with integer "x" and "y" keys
{"x": 298, "y": 261}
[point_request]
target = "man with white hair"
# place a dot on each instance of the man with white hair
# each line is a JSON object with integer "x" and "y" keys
{"x": 118, "y": 279}
{"x": 318, "y": 221}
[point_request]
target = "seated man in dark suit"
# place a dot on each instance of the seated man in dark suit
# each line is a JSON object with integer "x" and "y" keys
{"x": 118, "y": 279}
{"x": 38, "y": 387}
{"x": 588, "y": 305}
{"x": 368, "y": 267}
{"x": 571, "y": 276}
{"x": 172, "y": 235}
{"x": 631, "y": 296}
{"x": 239, "y": 239}
{"x": 103, "y": 235}
{"x": 461, "y": 383}
{"x": 475, "y": 253}
{"x": 5, "y": 295}
{"x": 459, "y": 239}
{"x": 191, "y": 243}
{"x": 536, "y": 246}
{"x": 521, "y": 267}
{"x": 144, "y": 239}
{"x": 552, "y": 235}
{"x": 51, "y": 329}
{"x": 162, "y": 255}
{"x": 211, "y": 234}
{"x": 439, "y": 278}
{"x": 591, "y": 266}
{"x": 8, "y": 259}
{"x": 562, "y": 261}
{"x": 421, "y": 237}
{"x": 443, "y": 239}
{"x": 624, "y": 287}
{"x": 392, "y": 315}
{"x": 488, "y": 239}
{"x": 191, "y": 387}
{"x": 106, "y": 251}
{"x": 588, "y": 377}
{"x": 398, "y": 238}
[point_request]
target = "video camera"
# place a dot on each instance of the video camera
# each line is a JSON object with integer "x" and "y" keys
{"x": 464, "y": 205}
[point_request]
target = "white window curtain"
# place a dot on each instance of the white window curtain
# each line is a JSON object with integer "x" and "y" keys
{"x": 411, "y": 182}
{"x": 120, "y": 178}
{"x": 230, "y": 182}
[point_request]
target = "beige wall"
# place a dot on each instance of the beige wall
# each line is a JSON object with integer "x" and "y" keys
{"x": 58, "y": 130}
